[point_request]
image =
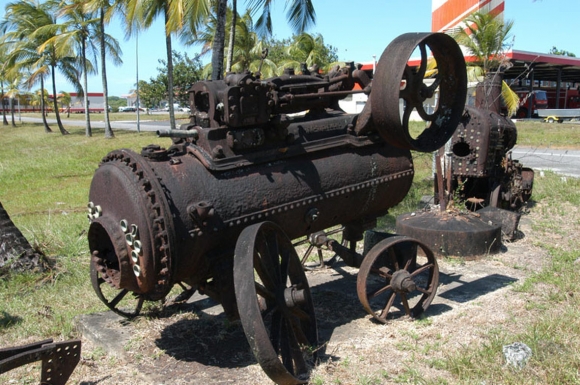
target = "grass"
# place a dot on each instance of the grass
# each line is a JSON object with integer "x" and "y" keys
{"x": 44, "y": 182}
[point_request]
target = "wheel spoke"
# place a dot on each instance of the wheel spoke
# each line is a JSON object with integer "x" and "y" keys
{"x": 421, "y": 269}
{"x": 405, "y": 303}
{"x": 296, "y": 351}
{"x": 387, "y": 307}
{"x": 393, "y": 256}
{"x": 263, "y": 267}
{"x": 424, "y": 291}
{"x": 264, "y": 292}
{"x": 275, "y": 331}
{"x": 299, "y": 313}
{"x": 423, "y": 66}
{"x": 118, "y": 298}
{"x": 307, "y": 254}
{"x": 378, "y": 292}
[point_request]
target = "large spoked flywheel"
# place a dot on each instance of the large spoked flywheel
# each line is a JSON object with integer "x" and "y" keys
{"x": 436, "y": 94}
{"x": 274, "y": 303}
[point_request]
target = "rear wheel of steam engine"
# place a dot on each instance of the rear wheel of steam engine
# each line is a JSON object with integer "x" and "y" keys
{"x": 319, "y": 241}
{"x": 395, "y": 80}
{"x": 274, "y": 303}
{"x": 398, "y": 277}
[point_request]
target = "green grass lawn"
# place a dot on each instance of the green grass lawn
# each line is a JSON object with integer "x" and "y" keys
{"x": 44, "y": 184}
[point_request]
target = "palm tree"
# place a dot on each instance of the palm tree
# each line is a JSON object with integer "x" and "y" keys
{"x": 27, "y": 25}
{"x": 248, "y": 49}
{"x": 306, "y": 48}
{"x": 177, "y": 14}
{"x": 74, "y": 38}
{"x": 108, "y": 47}
{"x": 486, "y": 38}
{"x": 300, "y": 15}
{"x": 3, "y": 58}
{"x": 65, "y": 99}
{"x": 21, "y": 19}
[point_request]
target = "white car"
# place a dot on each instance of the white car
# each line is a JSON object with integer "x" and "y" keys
{"x": 185, "y": 109}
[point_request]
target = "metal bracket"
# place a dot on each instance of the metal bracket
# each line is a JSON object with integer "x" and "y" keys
{"x": 59, "y": 359}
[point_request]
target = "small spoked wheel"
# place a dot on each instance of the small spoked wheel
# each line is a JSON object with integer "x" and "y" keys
{"x": 398, "y": 277}
{"x": 318, "y": 241}
{"x": 274, "y": 303}
{"x": 121, "y": 301}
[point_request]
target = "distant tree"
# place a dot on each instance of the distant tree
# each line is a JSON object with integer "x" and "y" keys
{"x": 309, "y": 49}
{"x": 556, "y": 51}
{"x": 186, "y": 71}
{"x": 65, "y": 99}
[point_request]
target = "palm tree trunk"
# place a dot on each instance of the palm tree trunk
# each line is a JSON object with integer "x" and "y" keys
{"x": 88, "y": 131}
{"x": 169, "y": 74}
{"x": 217, "y": 55}
{"x": 232, "y": 37}
{"x": 15, "y": 251}
{"x": 2, "y": 102}
{"x": 55, "y": 103}
{"x": 108, "y": 129}
{"x": 12, "y": 111}
{"x": 42, "y": 106}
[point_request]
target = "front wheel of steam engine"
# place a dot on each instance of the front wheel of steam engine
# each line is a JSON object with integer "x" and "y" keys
{"x": 397, "y": 84}
{"x": 274, "y": 303}
{"x": 398, "y": 276}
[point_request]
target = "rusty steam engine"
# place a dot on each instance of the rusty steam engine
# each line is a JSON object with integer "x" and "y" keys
{"x": 262, "y": 162}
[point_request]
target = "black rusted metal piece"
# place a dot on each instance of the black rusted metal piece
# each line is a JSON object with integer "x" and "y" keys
{"x": 276, "y": 150}
{"x": 452, "y": 234}
{"x": 59, "y": 359}
{"x": 509, "y": 220}
{"x": 482, "y": 170}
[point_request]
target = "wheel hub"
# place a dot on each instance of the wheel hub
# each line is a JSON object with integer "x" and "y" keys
{"x": 402, "y": 282}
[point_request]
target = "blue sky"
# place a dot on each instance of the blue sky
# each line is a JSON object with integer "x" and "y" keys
{"x": 359, "y": 30}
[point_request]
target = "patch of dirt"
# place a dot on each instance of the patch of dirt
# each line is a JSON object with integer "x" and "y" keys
{"x": 199, "y": 346}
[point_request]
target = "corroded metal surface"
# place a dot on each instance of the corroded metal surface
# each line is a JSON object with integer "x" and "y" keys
{"x": 275, "y": 150}
{"x": 452, "y": 235}
{"x": 59, "y": 359}
{"x": 482, "y": 170}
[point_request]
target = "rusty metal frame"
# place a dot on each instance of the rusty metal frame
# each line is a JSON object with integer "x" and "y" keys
{"x": 59, "y": 359}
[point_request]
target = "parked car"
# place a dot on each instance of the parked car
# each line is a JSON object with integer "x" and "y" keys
{"x": 184, "y": 109}
{"x": 127, "y": 109}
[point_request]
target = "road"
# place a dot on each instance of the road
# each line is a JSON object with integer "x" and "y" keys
{"x": 565, "y": 162}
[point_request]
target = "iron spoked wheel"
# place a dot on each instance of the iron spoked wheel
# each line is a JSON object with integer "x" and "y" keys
{"x": 274, "y": 303}
{"x": 398, "y": 276}
{"x": 121, "y": 301}
{"x": 395, "y": 80}
{"x": 317, "y": 241}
